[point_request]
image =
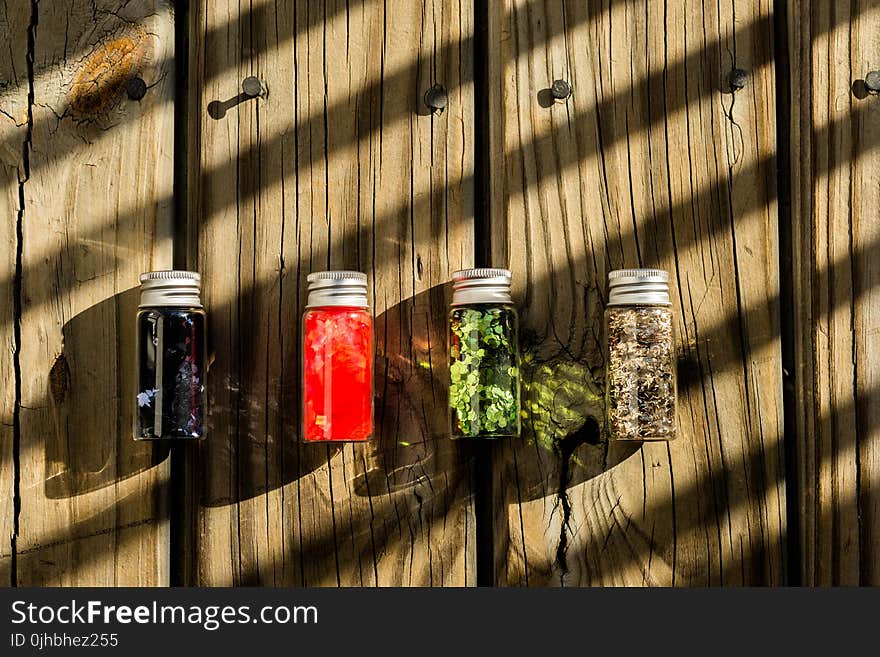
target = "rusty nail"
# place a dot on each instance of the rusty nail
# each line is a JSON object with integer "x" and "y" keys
{"x": 737, "y": 79}
{"x": 436, "y": 98}
{"x": 560, "y": 89}
{"x": 872, "y": 81}
{"x": 252, "y": 86}
{"x": 136, "y": 88}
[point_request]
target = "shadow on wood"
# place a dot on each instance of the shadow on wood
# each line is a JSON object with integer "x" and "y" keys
{"x": 247, "y": 457}
{"x": 115, "y": 532}
{"x": 253, "y": 444}
{"x": 411, "y": 443}
{"x": 91, "y": 443}
{"x": 562, "y": 412}
{"x": 217, "y": 108}
{"x": 614, "y": 113}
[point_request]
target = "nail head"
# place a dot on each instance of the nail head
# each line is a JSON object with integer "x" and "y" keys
{"x": 436, "y": 98}
{"x": 560, "y": 89}
{"x": 136, "y": 88}
{"x": 872, "y": 81}
{"x": 738, "y": 78}
{"x": 252, "y": 86}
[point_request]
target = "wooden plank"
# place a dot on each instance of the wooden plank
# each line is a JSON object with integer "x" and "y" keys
{"x": 95, "y": 172}
{"x": 13, "y": 78}
{"x": 653, "y": 161}
{"x": 339, "y": 165}
{"x": 836, "y": 270}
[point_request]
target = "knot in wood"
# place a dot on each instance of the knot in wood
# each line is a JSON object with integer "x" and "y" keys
{"x": 558, "y": 399}
{"x": 105, "y": 73}
{"x": 59, "y": 379}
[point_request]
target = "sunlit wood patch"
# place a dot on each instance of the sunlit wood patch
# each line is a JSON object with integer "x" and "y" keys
{"x": 100, "y": 83}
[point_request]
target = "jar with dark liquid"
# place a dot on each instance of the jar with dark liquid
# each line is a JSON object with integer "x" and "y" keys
{"x": 171, "y": 398}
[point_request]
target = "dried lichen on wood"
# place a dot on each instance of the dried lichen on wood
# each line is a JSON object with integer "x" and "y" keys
{"x": 640, "y": 383}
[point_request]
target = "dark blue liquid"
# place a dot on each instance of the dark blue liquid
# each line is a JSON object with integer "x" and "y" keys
{"x": 170, "y": 400}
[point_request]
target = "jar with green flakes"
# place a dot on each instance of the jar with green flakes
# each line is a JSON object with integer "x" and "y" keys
{"x": 484, "y": 356}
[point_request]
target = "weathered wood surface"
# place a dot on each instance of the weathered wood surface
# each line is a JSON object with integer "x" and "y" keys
{"x": 835, "y": 132}
{"x": 14, "y": 29}
{"x": 653, "y": 161}
{"x": 87, "y": 206}
{"x": 339, "y": 165}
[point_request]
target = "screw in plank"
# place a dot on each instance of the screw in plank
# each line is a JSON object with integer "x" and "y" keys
{"x": 737, "y": 79}
{"x": 252, "y": 86}
{"x": 872, "y": 81}
{"x": 136, "y": 88}
{"x": 436, "y": 98}
{"x": 561, "y": 89}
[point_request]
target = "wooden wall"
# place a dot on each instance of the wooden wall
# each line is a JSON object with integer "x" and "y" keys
{"x": 653, "y": 161}
{"x": 339, "y": 165}
{"x": 759, "y": 199}
{"x": 836, "y": 289}
{"x": 88, "y": 196}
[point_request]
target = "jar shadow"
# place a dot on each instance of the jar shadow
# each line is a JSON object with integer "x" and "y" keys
{"x": 253, "y": 445}
{"x": 248, "y": 460}
{"x": 562, "y": 414}
{"x": 88, "y": 442}
{"x": 410, "y": 446}
{"x": 562, "y": 442}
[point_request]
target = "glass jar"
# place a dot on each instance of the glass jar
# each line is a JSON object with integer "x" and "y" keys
{"x": 640, "y": 379}
{"x": 484, "y": 356}
{"x": 171, "y": 398}
{"x": 337, "y": 369}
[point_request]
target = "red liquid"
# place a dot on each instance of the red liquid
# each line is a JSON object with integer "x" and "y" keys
{"x": 337, "y": 374}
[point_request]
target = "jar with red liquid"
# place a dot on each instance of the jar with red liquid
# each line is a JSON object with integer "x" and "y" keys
{"x": 337, "y": 372}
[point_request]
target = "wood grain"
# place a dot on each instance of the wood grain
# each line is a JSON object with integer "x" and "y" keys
{"x": 653, "y": 161}
{"x": 836, "y": 297}
{"x": 338, "y": 165}
{"x": 14, "y": 28}
{"x": 89, "y": 176}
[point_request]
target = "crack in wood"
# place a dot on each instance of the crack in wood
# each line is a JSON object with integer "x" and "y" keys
{"x": 67, "y": 540}
{"x": 24, "y": 176}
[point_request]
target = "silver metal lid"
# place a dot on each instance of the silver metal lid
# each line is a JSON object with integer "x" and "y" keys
{"x": 647, "y": 287}
{"x": 483, "y": 285}
{"x": 175, "y": 288}
{"x": 337, "y": 288}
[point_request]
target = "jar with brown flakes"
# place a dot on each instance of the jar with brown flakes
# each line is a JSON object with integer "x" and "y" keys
{"x": 640, "y": 385}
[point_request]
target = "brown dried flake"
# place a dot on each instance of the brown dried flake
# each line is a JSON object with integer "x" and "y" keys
{"x": 641, "y": 373}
